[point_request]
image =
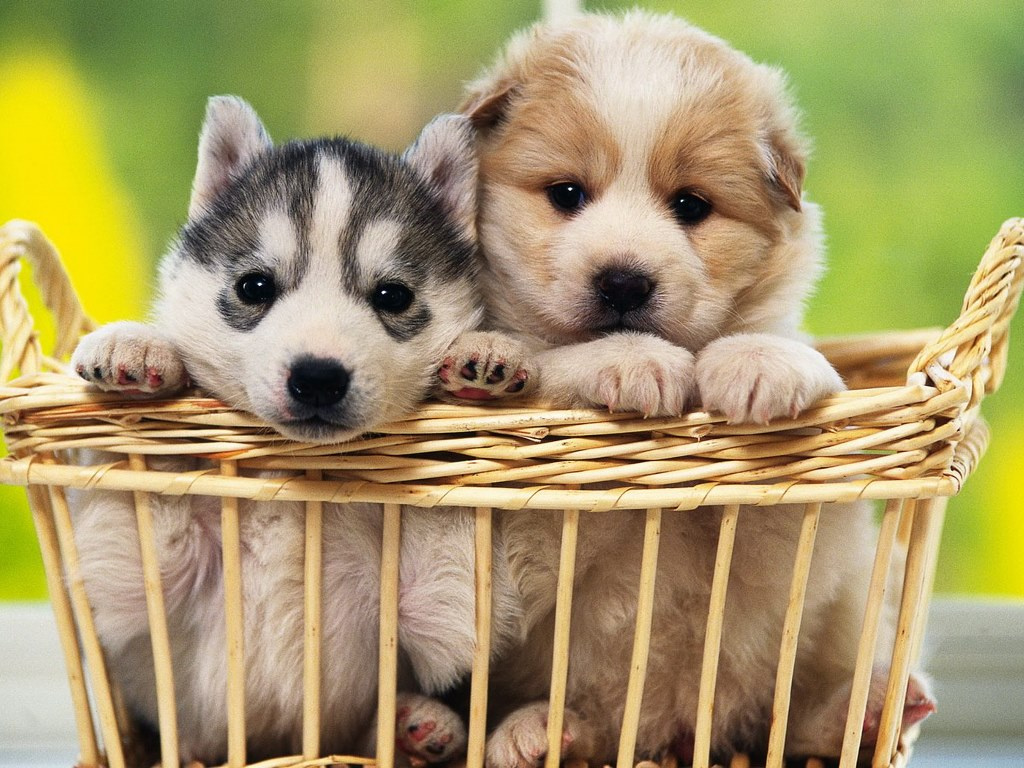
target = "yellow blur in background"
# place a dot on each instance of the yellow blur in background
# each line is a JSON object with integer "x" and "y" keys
{"x": 55, "y": 170}
{"x": 915, "y": 111}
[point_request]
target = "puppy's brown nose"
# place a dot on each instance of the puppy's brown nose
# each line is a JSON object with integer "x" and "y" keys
{"x": 623, "y": 290}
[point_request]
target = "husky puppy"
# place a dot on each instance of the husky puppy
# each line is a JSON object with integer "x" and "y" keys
{"x": 316, "y": 284}
{"x": 647, "y": 242}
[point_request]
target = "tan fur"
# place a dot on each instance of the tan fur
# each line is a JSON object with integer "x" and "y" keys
{"x": 637, "y": 108}
{"x": 736, "y": 145}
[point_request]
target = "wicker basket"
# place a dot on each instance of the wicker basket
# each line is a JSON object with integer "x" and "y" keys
{"x": 910, "y": 439}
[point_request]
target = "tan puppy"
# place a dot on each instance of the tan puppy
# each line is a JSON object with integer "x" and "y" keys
{"x": 642, "y": 205}
{"x": 648, "y": 245}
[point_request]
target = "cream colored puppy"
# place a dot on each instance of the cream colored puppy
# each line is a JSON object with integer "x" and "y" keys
{"x": 643, "y": 222}
{"x": 648, "y": 246}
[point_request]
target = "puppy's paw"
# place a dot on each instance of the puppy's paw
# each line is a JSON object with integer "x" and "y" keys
{"x": 483, "y": 365}
{"x": 757, "y": 377}
{"x": 521, "y": 739}
{"x": 917, "y": 705}
{"x": 131, "y": 358}
{"x": 622, "y": 372}
{"x": 820, "y": 728}
{"x": 426, "y": 731}
{"x": 652, "y": 386}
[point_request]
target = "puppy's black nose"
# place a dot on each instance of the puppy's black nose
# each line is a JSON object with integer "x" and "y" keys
{"x": 623, "y": 290}
{"x": 317, "y": 382}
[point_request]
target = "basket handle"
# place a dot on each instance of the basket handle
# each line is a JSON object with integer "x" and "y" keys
{"x": 20, "y": 341}
{"x": 974, "y": 346}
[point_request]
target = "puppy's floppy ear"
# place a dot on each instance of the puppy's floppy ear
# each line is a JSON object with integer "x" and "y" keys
{"x": 232, "y": 136}
{"x": 487, "y": 103}
{"x": 444, "y": 155}
{"x": 787, "y": 165}
{"x": 784, "y": 148}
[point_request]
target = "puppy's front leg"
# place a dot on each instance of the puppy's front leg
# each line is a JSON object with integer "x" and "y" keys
{"x": 622, "y": 372}
{"x": 757, "y": 377}
{"x": 131, "y": 358}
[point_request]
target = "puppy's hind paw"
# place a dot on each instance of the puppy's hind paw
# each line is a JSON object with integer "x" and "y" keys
{"x": 426, "y": 731}
{"x": 521, "y": 739}
{"x": 483, "y": 365}
{"x": 131, "y": 358}
{"x": 918, "y": 704}
{"x": 821, "y": 729}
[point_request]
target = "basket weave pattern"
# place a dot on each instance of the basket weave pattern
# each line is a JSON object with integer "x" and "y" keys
{"x": 908, "y": 431}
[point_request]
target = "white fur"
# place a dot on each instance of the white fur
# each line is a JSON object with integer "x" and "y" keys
{"x": 333, "y": 206}
{"x": 455, "y": 182}
{"x": 378, "y": 243}
{"x": 778, "y": 376}
{"x": 278, "y": 238}
{"x": 624, "y": 371}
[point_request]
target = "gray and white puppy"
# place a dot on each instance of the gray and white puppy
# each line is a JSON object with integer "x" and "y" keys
{"x": 316, "y": 284}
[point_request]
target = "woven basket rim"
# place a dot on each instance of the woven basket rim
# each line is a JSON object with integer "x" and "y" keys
{"x": 400, "y": 463}
{"x": 908, "y": 428}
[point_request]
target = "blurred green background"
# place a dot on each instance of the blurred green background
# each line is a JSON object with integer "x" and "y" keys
{"x": 916, "y": 109}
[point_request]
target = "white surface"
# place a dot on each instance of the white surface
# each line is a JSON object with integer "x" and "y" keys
{"x": 35, "y": 706}
{"x": 975, "y": 655}
{"x": 976, "y": 658}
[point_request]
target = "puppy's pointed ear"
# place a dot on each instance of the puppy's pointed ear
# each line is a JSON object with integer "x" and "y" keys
{"x": 445, "y": 156}
{"x": 232, "y": 136}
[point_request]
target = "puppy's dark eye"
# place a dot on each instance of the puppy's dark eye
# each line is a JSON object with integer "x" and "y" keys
{"x": 690, "y": 209}
{"x": 256, "y": 288}
{"x": 567, "y": 196}
{"x": 391, "y": 297}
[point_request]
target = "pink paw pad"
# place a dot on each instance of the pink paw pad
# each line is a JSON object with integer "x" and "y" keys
{"x": 94, "y": 375}
{"x": 420, "y": 731}
{"x": 567, "y": 741}
{"x": 476, "y": 379}
{"x": 444, "y": 372}
{"x": 154, "y": 378}
{"x": 917, "y": 705}
{"x": 420, "y": 739}
{"x": 124, "y": 378}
